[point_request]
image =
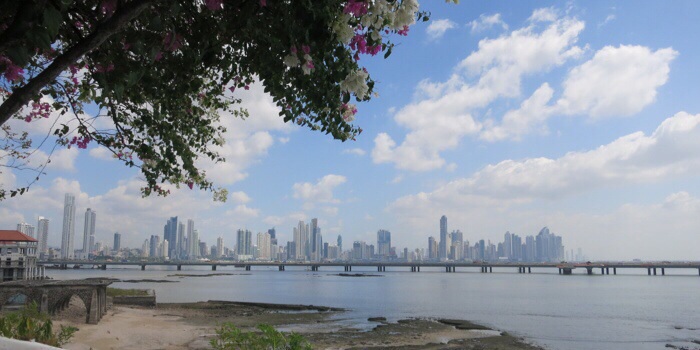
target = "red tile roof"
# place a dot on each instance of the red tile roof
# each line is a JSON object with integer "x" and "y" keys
{"x": 15, "y": 236}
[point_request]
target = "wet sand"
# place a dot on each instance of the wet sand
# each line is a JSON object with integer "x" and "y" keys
{"x": 192, "y": 325}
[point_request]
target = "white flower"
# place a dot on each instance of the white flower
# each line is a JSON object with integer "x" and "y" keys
{"x": 291, "y": 61}
{"x": 349, "y": 111}
{"x": 405, "y": 14}
{"x": 356, "y": 83}
{"x": 343, "y": 30}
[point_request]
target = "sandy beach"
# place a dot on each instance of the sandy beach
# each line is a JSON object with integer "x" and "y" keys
{"x": 192, "y": 325}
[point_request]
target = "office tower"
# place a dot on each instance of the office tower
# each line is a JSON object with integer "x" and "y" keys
{"x": 482, "y": 250}
{"x": 170, "y": 235}
{"x": 445, "y": 244}
{"x": 313, "y": 235}
{"x": 219, "y": 247}
{"x": 164, "y": 249}
{"x": 27, "y": 229}
{"x": 43, "y": 235}
{"x": 517, "y": 247}
{"x": 244, "y": 242}
{"x": 507, "y": 245}
{"x": 383, "y": 243}
{"x": 180, "y": 244}
{"x": 203, "y": 249}
{"x": 146, "y": 249}
{"x": 340, "y": 244}
{"x": 264, "y": 246}
{"x": 155, "y": 242}
{"x": 88, "y": 231}
{"x": 273, "y": 236}
{"x": 68, "y": 227}
{"x": 117, "y": 241}
{"x": 301, "y": 235}
{"x": 193, "y": 249}
{"x": 456, "y": 248}
{"x": 359, "y": 250}
{"x": 432, "y": 248}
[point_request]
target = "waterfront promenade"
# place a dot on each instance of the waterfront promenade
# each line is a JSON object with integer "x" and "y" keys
{"x": 564, "y": 268}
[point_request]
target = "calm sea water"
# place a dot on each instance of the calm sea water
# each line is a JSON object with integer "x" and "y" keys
{"x": 629, "y": 311}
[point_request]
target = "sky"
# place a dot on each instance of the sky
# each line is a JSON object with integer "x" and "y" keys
{"x": 503, "y": 116}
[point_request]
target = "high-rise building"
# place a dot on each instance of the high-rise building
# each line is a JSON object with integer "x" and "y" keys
{"x": 154, "y": 244}
{"x": 457, "y": 247}
{"x": 68, "y": 227}
{"x": 273, "y": 236}
{"x": 432, "y": 248}
{"x": 180, "y": 245}
{"x": 244, "y": 242}
{"x": 340, "y": 244}
{"x": 146, "y": 248}
{"x": 88, "y": 231}
{"x": 264, "y": 246}
{"x": 301, "y": 241}
{"x": 27, "y": 229}
{"x": 43, "y": 235}
{"x": 445, "y": 243}
{"x": 219, "y": 246}
{"x": 203, "y": 249}
{"x": 383, "y": 243}
{"x": 170, "y": 235}
{"x": 193, "y": 248}
{"x": 117, "y": 241}
{"x": 314, "y": 232}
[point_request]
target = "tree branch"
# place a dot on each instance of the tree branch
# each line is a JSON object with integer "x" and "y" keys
{"x": 114, "y": 24}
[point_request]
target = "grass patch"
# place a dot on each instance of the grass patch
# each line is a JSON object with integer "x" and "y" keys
{"x": 118, "y": 292}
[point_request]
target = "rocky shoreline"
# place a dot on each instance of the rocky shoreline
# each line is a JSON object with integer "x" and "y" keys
{"x": 192, "y": 325}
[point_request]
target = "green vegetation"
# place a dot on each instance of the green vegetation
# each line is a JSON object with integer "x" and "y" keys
{"x": 228, "y": 337}
{"x": 30, "y": 324}
{"x": 117, "y": 292}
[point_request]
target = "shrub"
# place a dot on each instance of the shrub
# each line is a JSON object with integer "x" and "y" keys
{"x": 30, "y": 324}
{"x": 228, "y": 337}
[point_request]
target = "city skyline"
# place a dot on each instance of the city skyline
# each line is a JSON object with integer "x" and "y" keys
{"x": 473, "y": 124}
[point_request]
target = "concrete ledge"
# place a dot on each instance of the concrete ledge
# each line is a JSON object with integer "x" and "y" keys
{"x": 14, "y": 344}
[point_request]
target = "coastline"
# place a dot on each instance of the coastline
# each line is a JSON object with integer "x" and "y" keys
{"x": 191, "y": 326}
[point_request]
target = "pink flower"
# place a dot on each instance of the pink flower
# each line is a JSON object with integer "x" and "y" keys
{"x": 306, "y": 49}
{"x": 213, "y": 5}
{"x": 247, "y": 87}
{"x": 159, "y": 55}
{"x": 172, "y": 41}
{"x": 232, "y": 88}
{"x": 263, "y": 3}
{"x": 310, "y": 65}
{"x": 294, "y": 50}
{"x": 356, "y": 8}
{"x": 403, "y": 31}
{"x": 190, "y": 184}
{"x": 12, "y": 71}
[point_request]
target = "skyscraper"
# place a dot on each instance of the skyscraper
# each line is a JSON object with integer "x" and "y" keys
{"x": 170, "y": 235}
{"x": 180, "y": 244}
{"x": 155, "y": 242}
{"x": 193, "y": 243}
{"x": 27, "y": 229}
{"x": 314, "y": 231}
{"x": 117, "y": 241}
{"x": 68, "y": 227}
{"x": 301, "y": 241}
{"x": 88, "y": 232}
{"x": 457, "y": 247}
{"x": 432, "y": 248}
{"x": 340, "y": 244}
{"x": 244, "y": 242}
{"x": 43, "y": 235}
{"x": 383, "y": 243}
{"x": 264, "y": 246}
{"x": 445, "y": 242}
{"x": 219, "y": 247}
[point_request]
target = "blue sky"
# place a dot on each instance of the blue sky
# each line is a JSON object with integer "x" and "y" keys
{"x": 504, "y": 116}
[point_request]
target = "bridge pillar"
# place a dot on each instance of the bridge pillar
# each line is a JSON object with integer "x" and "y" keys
{"x": 490, "y": 268}
{"x": 280, "y": 268}
{"x": 607, "y": 270}
{"x": 247, "y": 267}
{"x": 529, "y": 269}
{"x": 44, "y": 308}
{"x": 93, "y": 316}
{"x": 614, "y": 270}
{"x": 663, "y": 271}
{"x": 566, "y": 271}
{"x": 179, "y": 267}
{"x": 648, "y": 271}
{"x": 559, "y": 270}
{"x": 589, "y": 270}
{"x": 654, "y": 271}
{"x": 143, "y": 267}
{"x": 104, "y": 267}
{"x": 213, "y": 267}
{"x": 602, "y": 270}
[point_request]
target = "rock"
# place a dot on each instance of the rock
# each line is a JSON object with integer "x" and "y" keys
{"x": 464, "y": 325}
{"x": 377, "y": 319}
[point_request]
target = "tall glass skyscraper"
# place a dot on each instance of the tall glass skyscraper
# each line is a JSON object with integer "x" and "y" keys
{"x": 68, "y": 227}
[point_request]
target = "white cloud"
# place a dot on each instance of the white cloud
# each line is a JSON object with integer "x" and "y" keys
{"x": 239, "y": 197}
{"x": 437, "y": 28}
{"x": 617, "y": 81}
{"x": 321, "y": 191}
{"x": 242, "y": 212}
{"x": 442, "y": 116}
{"x": 548, "y": 14}
{"x": 355, "y": 151}
{"x": 487, "y": 22}
{"x": 283, "y": 140}
{"x": 101, "y": 153}
{"x": 672, "y": 149}
{"x": 608, "y": 19}
{"x": 533, "y": 112}
{"x": 397, "y": 179}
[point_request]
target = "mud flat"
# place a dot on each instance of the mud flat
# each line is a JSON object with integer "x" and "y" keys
{"x": 192, "y": 325}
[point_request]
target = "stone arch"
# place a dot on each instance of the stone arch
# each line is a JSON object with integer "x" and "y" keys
{"x": 64, "y": 301}
{"x": 16, "y": 299}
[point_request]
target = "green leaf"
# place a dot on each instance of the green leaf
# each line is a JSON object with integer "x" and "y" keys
{"x": 52, "y": 20}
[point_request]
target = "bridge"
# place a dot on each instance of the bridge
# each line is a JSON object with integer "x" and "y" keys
{"x": 450, "y": 266}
